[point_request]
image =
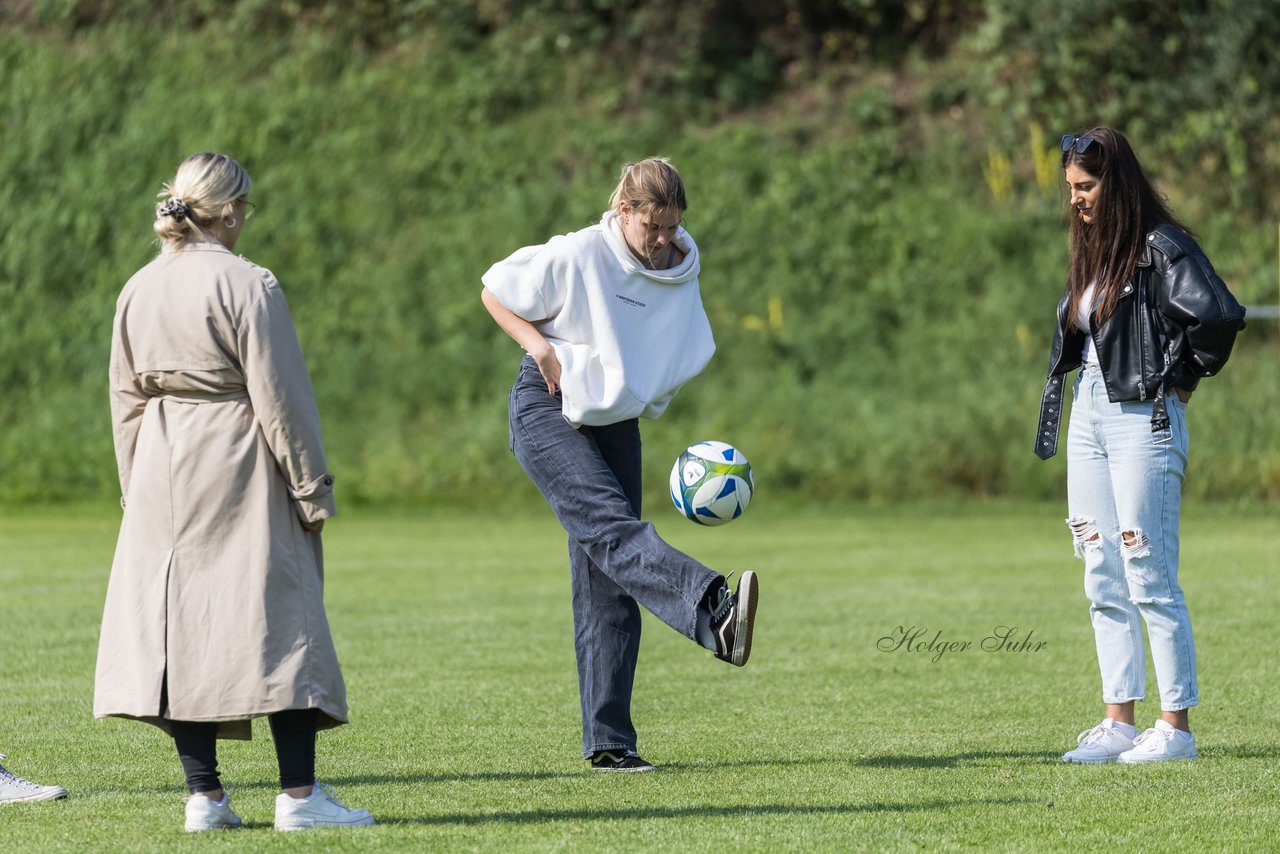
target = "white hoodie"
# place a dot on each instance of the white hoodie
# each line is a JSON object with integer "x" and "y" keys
{"x": 627, "y": 338}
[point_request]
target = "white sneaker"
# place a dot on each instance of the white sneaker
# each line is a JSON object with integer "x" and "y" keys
{"x": 321, "y": 809}
{"x": 204, "y": 813}
{"x": 14, "y": 789}
{"x": 1103, "y": 743}
{"x": 1161, "y": 743}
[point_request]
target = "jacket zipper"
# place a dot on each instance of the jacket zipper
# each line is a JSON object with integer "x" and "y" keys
{"x": 1142, "y": 337}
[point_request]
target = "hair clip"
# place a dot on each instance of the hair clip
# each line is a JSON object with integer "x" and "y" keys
{"x": 175, "y": 208}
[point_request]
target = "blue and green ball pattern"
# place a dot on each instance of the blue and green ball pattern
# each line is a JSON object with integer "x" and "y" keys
{"x": 711, "y": 483}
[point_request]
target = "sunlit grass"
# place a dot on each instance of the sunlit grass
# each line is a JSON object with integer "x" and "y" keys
{"x": 455, "y": 635}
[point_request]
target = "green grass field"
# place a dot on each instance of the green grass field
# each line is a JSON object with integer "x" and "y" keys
{"x": 454, "y": 632}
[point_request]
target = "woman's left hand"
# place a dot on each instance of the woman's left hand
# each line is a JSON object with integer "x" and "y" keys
{"x": 1183, "y": 394}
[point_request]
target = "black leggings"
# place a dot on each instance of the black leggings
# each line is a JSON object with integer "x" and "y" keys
{"x": 294, "y": 732}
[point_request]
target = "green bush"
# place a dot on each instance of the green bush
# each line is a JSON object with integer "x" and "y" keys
{"x": 881, "y": 229}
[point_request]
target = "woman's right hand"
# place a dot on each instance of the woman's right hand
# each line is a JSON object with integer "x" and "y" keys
{"x": 527, "y": 336}
{"x": 548, "y": 365}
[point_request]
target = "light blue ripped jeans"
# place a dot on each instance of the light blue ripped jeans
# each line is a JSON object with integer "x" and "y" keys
{"x": 1124, "y": 495}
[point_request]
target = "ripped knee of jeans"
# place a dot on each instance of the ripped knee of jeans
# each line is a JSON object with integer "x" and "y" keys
{"x": 1085, "y": 534}
{"x": 1134, "y": 544}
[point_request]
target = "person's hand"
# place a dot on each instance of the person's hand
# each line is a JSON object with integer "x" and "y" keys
{"x": 1183, "y": 394}
{"x": 548, "y": 365}
{"x": 313, "y": 527}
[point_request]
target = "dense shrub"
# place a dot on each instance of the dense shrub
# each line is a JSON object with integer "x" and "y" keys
{"x": 874, "y": 189}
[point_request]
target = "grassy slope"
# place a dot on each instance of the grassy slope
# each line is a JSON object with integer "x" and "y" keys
{"x": 905, "y": 355}
{"x": 455, "y": 636}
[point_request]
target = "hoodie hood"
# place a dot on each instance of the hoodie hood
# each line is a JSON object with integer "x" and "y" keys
{"x": 686, "y": 271}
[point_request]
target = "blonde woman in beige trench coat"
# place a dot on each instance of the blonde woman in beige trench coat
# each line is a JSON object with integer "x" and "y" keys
{"x": 214, "y": 612}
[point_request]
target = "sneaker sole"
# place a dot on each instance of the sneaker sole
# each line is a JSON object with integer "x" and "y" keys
{"x": 54, "y": 795}
{"x": 1160, "y": 759}
{"x": 315, "y": 825}
{"x": 624, "y": 770}
{"x": 1102, "y": 761}
{"x": 748, "y": 596}
{"x": 202, "y": 825}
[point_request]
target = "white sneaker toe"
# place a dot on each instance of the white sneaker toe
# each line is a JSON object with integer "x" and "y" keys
{"x": 14, "y": 789}
{"x": 1104, "y": 743}
{"x": 1162, "y": 743}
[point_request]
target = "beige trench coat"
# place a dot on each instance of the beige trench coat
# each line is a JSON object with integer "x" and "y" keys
{"x": 215, "y": 599}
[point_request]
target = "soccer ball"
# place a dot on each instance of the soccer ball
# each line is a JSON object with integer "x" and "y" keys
{"x": 711, "y": 483}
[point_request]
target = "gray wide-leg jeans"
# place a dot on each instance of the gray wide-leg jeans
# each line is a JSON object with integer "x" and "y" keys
{"x": 591, "y": 477}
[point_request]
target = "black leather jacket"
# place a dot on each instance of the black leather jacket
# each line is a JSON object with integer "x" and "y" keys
{"x": 1174, "y": 323}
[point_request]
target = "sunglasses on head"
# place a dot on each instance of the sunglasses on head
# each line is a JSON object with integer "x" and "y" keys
{"x": 1079, "y": 143}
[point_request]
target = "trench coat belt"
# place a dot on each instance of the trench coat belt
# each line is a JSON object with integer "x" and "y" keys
{"x": 202, "y": 397}
{"x": 1050, "y": 417}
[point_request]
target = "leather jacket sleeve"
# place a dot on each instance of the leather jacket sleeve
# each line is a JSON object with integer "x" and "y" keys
{"x": 1199, "y": 316}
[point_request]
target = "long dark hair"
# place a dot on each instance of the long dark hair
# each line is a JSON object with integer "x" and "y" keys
{"x": 1107, "y": 250}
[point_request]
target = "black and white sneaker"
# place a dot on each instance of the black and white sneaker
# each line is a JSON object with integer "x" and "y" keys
{"x": 733, "y": 618}
{"x": 619, "y": 760}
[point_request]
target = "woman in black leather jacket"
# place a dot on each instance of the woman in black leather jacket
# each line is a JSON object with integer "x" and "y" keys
{"x": 1147, "y": 317}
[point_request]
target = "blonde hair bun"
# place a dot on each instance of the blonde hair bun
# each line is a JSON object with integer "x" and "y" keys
{"x": 200, "y": 193}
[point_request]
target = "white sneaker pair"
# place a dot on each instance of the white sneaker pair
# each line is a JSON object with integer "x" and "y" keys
{"x": 1111, "y": 741}
{"x": 320, "y": 809}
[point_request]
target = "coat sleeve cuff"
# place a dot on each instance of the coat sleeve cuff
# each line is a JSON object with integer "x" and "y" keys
{"x": 314, "y": 500}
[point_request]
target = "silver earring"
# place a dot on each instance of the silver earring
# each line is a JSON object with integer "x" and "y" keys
{"x": 230, "y": 223}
